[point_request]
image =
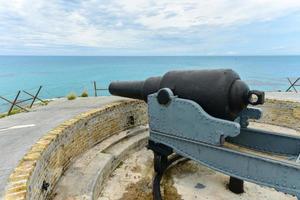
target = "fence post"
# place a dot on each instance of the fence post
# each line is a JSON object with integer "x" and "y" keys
{"x": 13, "y": 103}
{"x": 95, "y": 88}
{"x": 34, "y": 98}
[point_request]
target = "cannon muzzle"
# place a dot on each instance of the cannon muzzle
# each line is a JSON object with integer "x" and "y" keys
{"x": 131, "y": 89}
{"x": 221, "y": 92}
{"x": 135, "y": 89}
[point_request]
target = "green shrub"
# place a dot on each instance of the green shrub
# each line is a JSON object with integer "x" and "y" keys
{"x": 71, "y": 96}
{"x": 84, "y": 94}
{"x": 46, "y": 102}
{"x": 15, "y": 111}
{"x": 19, "y": 110}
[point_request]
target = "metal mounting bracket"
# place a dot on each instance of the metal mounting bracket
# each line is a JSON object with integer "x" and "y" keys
{"x": 183, "y": 126}
{"x": 185, "y": 118}
{"x": 246, "y": 114}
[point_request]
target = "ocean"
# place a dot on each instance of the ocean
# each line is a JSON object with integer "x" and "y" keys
{"x": 60, "y": 75}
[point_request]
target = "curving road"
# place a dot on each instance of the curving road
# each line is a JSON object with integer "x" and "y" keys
{"x": 19, "y": 132}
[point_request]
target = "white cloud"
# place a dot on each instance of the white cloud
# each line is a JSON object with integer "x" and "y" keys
{"x": 190, "y": 13}
{"x": 126, "y": 23}
{"x": 56, "y": 24}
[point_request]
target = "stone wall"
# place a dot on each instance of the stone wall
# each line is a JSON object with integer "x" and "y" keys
{"x": 40, "y": 169}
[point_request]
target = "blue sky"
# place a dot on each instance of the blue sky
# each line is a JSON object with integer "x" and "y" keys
{"x": 149, "y": 27}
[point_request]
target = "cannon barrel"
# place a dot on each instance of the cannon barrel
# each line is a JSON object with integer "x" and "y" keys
{"x": 220, "y": 92}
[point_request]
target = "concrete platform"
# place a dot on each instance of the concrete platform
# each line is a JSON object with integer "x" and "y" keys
{"x": 19, "y": 132}
{"x": 186, "y": 180}
{"x": 85, "y": 177}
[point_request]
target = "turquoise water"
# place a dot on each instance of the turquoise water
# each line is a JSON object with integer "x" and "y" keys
{"x": 60, "y": 75}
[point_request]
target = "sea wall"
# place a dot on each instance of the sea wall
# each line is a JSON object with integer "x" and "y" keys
{"x": 40, "y": 169}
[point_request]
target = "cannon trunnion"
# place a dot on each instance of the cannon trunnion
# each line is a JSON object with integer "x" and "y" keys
{"x": 185, "y": 124}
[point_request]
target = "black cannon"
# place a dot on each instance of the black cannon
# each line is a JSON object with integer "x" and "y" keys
{"x": 194, "y": 114}
{"x": 219, "y": 92}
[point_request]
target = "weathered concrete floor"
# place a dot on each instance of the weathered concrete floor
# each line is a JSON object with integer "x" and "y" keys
{"x": 281, "y": 113}
{"x": 19, "y": 132}
{"x": 186, "y": 180}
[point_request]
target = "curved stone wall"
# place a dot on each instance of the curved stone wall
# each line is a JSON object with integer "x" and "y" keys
{"x": 40, "y": 169}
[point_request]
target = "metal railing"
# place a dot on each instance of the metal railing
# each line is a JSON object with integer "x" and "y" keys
{"x": 17, "y": 103}
{"x": 97, "y": 89}
{"x": 293, "y": 84}
{"x": 24, "y": 103}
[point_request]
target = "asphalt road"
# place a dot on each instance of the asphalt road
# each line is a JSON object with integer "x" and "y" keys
{"x": 19, "y": 132}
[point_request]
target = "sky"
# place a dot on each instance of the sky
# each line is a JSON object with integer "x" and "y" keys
{"x": 149, "y": 27}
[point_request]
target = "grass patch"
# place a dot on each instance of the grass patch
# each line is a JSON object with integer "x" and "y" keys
{"x": 84, "y": 94}
{"x": 19, "y": 110}
{"x": 71, "y": 96}
{"x": 16, "y": 111}
{"x": 296, "y": 112}
{"x": 281, "y": 113}
{"x": 13, "y": 112}
{"x": 45, "y": 103}
{"x": 42, "y": 103}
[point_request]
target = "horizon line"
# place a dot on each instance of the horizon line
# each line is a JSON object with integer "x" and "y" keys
{"x": 220, "y": 55}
